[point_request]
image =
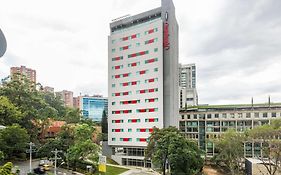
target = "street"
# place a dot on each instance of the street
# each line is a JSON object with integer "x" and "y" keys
{"x": 24, "y": 168}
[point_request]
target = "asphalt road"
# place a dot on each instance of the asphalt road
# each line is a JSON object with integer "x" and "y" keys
{"x": 24, "y": 168}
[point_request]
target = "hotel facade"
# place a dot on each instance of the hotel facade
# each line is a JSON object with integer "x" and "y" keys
{"x": 143, "y": 81}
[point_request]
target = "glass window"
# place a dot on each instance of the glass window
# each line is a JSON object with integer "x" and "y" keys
{"x": 155, "y": 69}
{"x": 182, "y": 116}
{"x": 130, "y": 130}
{"x": 224, "y": 115}
{"x": 113, "y": 103}
{"x": 216, "y": 115}
{"x": 248, "y": 115}
{"x": 264, "y": 115}
{"x": 113, "y": 50}
{"x": 257, "y": 115}
{"x": 155, "y": 49}
{"x": 113, "y": 85}
{"x": 273, "y": 114}
{"x": 137, "y": 44}
{"x": 195, "y": 116}
{"x": 240, "y": 115}
{"x": 209, "y": 116}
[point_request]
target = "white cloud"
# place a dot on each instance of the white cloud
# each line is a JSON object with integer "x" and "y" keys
{"x": 235, "y": 44}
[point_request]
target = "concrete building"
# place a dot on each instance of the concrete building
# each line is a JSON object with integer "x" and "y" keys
{"x": 142, "y": 79}
{"x": 187, "y": 75}
{"x": 210, "y": 121}
{"x": 49, "y": 89}
{"x": 76, "y": 102}
{"x": 187, "y": 97}
{"x": 23, "y": 71}
{"x": 92, "y": 106}
{"x": 66, "y": 97}
{"x": 187, "y": 85}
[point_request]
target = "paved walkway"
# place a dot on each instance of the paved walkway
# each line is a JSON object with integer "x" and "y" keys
{"x": 139, "y": 171}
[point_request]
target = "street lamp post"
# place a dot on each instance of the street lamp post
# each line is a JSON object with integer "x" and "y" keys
{"x": 56, "y": 158}
{"x": 30, "y": 155}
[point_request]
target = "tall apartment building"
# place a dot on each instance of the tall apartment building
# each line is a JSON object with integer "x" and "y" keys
{"x": 187, "y": 75}
{"x": 23, "y": 71}
{"x": 202, "y": 123}
{"x": 76, "y": 102}
{"x": 142, "y": 79}
{"x": 92, "y": 106}
{"x": 49, "y": 89}
{"x": 187, "y": 85}
{"x": 66, "y": 97}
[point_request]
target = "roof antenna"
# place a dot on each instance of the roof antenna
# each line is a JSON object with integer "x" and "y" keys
{"x": 252, "y": 101}
{"x": 269, "y": 101}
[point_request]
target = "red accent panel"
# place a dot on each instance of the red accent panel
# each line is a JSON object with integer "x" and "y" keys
{"x": 142, "y": 110}
{"x": 134, "y": 120}
{"x": 117, "y": 121}
{"x": 125, "y": 93}
{"x": 117, "y": 67}
{"x": 142, "y": 53}
{"x": 117, "y": 130}
{"x": 151, "y": 100}
{"x": 150, "y": 41}
{"x": 134, "y": 82}
{"x": 142, "y": 72}
{"x": 117, "y": 76}
{"x": 125, "y": 84}
{"x": 117, "y": 112}
{"x": 117, "y": 94}
{"x": 142, "y": 139}
{"x": 126, "y": 139}
{"x": 133, "y": 64}
{"x": 142, "y": 130}
{"x": 151, "y": 110}
{"x": 126, "y": 75}
{"x": 150, "y": 90}
{"x": 151, "y": 130}
{"x": 151, "y": 80}
{"x": 125, "y": 47}
{"x": 134, "y": 101}
{"x": 133, "y": 55}
{"x": 134, "y": 36}
{"x": 150, "y": 31}
{"x": 125, "y": 38}
{"x": 151, "y": 120}
{"x": 142, "y": 91}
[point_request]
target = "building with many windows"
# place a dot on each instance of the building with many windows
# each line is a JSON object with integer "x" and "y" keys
{"x": 92, "y": 106}
{"x": 22, "y": 71}
{"x": 187, "y": 85}
{"x": 142, "y": 79}
{"x": 66, "y": 97}
{"x": 204, "y": 122}
{"x": 187, "y": 75}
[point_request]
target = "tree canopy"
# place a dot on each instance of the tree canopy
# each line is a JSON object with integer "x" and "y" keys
{"x": 167, "y": 147}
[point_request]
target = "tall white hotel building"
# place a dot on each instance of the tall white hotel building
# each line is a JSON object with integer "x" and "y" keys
{"x": 142, "y": 79}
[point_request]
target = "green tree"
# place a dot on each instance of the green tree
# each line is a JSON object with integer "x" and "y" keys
{"x": 13, "y": 140}
{"x": 72, "y": 115}
{"x": 230, "y": 151}
{"x": 268, "y": 137}
{"x": 83, "y": 132}
{"x": 85, "y": 150}
{"x": 51, "y": 144}
{"x": 167, "y": 145}
{"x": 6, "y": 169}
{"x": 104, "y": 123}
{"x": 8, "y": 112}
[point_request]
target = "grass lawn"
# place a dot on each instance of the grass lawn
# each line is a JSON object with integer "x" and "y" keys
{"x": 110, "y": 170}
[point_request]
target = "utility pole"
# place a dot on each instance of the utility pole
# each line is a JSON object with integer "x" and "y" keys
{"x": 30, "y": 155}
{"x": 56, "y": 158}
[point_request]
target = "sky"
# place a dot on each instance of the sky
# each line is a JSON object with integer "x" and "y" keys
{"x": 235, "y": 44}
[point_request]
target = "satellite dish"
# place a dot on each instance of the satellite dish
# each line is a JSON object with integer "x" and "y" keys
{"x": 3, "y": 44}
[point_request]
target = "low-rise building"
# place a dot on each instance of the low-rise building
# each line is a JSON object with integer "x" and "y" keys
{"x": 203, "y": 122}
